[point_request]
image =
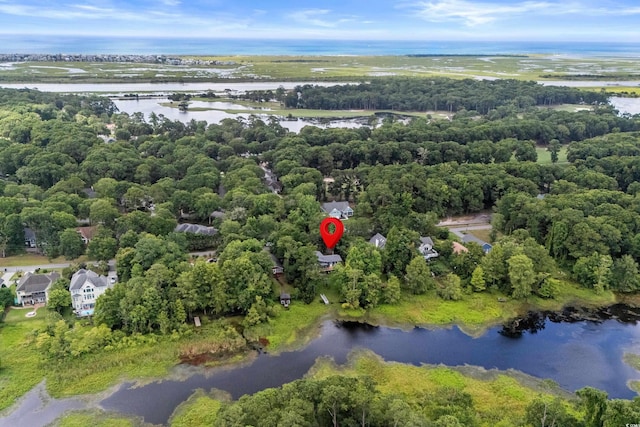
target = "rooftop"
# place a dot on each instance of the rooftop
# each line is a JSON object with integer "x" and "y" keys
{"x": 195, "y": 229}
{"x": 83, "y": 276}
{"x": 328, "y": 258}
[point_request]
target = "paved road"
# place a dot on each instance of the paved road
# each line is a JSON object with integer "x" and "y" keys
{"x": 460, "y": 232}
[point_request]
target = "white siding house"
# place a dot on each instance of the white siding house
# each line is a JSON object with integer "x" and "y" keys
{"x": 86, "y": 286}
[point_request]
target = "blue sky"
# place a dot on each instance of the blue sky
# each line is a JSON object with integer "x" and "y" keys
{"x": 546, "y": 20}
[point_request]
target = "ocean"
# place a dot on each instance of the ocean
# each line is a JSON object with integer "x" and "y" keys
{"x": 191, "y": 46}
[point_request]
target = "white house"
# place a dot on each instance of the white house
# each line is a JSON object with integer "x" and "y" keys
{"x": 339, "y": 210}
{"x": 86, "y": 286}
{"x": 34, "y": 288}
{"x": 426, "y": 248}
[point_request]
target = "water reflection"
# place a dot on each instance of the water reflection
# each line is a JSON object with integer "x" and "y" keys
{"x": 566, "y": 348}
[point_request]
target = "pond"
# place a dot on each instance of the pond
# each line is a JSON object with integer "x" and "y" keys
{"x": 574, "y": 353}
{"x": 148, "y": 106}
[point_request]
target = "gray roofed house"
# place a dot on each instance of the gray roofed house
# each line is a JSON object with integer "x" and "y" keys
{"x": 217, "y": 214}
{"x": 327, "y": 262}
{"x": 426, "y": 248}
{"x": 85, "y": 288}
{"x": 339, "y": 210}
{"x": 29, "y": 238}
{"x": 486, "y": 247}
{"x": 34, "y": 288}
{"x": 378, "y": 241}
{"x": 195, "y": 229}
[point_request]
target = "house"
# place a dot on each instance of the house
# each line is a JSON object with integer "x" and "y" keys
{"x": 87, "y": 233}
{"x": 379, "y": 241}
{"x": 85, "y": 288}
{"x": 486, "y": 247}
{"x": 277, "y": 268}
{"x": 217, "y": 215}
{"x": 29, "y": 238}
{"x": 34, "y": 288}
{"x": 90, "y": 192}
{"x": 195, "y": 229}
{"x": 426, "y": 248}
{"x": 339, "y": 210}
{"x": 458, "y": 248}
{"x": 285, "y": 299}
{"x": 327, "y": 262}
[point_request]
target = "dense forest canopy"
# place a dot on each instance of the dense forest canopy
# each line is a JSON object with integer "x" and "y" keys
{"x": 410, "y": 94}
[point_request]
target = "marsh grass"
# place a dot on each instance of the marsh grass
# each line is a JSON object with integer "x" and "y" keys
{"x": 498, "y": 395}
{"x": 96, "y": 418}
{"x": 20, "y": 370}
{"x": 329, "y": 68}
{"x": 200, "y": 409}
{"x": 292, "y": 327}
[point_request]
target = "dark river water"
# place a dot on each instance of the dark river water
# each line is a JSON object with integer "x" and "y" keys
{"x": 574, "y": 353}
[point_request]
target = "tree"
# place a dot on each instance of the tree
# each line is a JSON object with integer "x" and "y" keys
{"x": 624, "y": 274}
{"x": 477, "y": 279}
{"x": 391, "y": 290}
{"x": 554, "y": 149}
{"x": 6, "y": 298}
{"x": 71, "y": 244}
{"x": 521, "y": 275}
{"x": 59, "y": 299}
{"x": 450, "y": 288}
{"x": 418, "y": 278}
{"x": 399, "y": 250}
{"x": 526, "y": 151}
{"x": 102, "y": 248}
{"x": 103, "y": 212}
{"x": 545, "y": 413}
{"x": 365, "y": 257}
{"x": 594, "y": 403}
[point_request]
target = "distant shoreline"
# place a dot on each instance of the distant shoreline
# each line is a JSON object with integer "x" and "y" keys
{"x": 91, "y": 45}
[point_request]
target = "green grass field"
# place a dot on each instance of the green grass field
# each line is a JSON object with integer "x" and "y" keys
{"x": 34, "y": 259}
{"x": 544, "y": 156}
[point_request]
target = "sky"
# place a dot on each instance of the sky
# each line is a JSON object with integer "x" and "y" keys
{"x": 546, "y": 20}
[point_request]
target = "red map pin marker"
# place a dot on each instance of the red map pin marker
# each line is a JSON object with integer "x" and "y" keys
{"x": 331, "y": 239}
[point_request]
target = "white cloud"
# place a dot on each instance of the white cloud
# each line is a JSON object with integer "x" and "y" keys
{"x": 171, "y": 2}
{"x": 312, "y": 17}
{"x": 473, "y": 13}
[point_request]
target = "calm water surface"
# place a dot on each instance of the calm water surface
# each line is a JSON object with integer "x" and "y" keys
{"x": 579, "y": 354}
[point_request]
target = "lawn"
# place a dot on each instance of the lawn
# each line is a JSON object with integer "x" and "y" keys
{"x": 21, "y": 369}
{"x": 34, "y": 259}
{"x": 544, "y": 156}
